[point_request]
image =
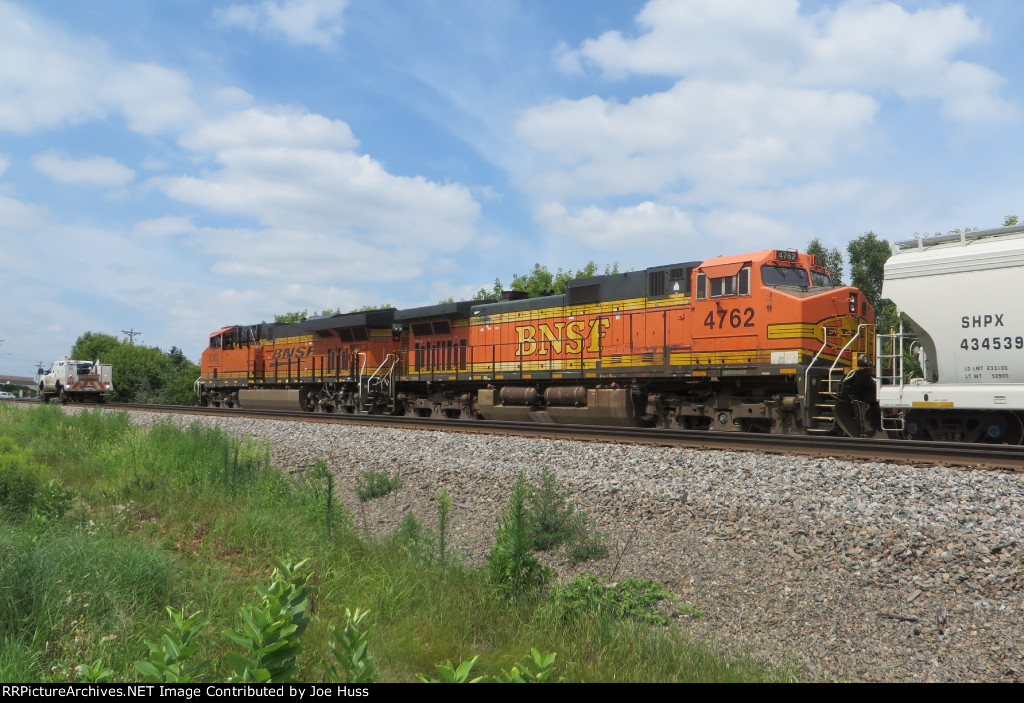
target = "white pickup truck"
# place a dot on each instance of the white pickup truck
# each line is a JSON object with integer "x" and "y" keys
{"x": 72, "y": 380}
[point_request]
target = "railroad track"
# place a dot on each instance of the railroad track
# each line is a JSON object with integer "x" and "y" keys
{"x": 979, "y": 456}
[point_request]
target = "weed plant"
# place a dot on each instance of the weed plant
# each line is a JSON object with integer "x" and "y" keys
{"x": 376, "y": 484}
{"x": 554, "y": 522}
{"x": 513, "y": 569}
{"x": 551, "y": 518}
{"x": 628, "y": 598}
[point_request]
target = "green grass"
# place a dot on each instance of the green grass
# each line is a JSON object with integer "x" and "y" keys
{"x": 172, "y": 517}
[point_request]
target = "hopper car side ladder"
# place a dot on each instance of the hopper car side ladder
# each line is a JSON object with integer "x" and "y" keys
{"x": 891, "y": 374}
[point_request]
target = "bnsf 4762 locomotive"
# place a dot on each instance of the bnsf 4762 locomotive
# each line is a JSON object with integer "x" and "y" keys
{"x": 756, "y": 342}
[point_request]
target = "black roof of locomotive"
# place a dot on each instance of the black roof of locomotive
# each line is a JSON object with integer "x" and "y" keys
{"x": 547, "y": 301}
{"x": 599, "y": 289}
{"x": 370, "y": 318}
{"x": 432, "y": 312}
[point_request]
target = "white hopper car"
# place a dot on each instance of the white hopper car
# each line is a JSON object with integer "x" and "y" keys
{"x": 964, "y": 296}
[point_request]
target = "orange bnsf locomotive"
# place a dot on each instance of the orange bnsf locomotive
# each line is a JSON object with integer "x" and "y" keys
{"x": 755, "y": 342}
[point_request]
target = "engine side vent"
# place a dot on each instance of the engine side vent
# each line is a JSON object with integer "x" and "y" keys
{"x": 584, "y": 295}
{"x": 655, "y": 283}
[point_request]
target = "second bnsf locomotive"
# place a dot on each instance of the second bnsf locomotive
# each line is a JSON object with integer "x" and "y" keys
{"x": 753, "y": 342}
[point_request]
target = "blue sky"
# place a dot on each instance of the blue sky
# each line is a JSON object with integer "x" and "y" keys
{"x": 176, "y": 166}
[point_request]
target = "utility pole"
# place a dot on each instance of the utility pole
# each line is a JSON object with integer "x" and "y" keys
{"x": 132, "y": 334}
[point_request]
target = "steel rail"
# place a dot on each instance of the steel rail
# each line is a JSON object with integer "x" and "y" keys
{"x": 981, "y": 456}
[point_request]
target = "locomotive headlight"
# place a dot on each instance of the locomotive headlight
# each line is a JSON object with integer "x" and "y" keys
{"x": 853, "y": 302}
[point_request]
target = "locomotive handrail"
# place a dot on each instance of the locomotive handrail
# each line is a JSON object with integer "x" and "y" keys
{"x": 362, "y": 369}
{"x": 807, "y": 373}
{"x": 374, "y": 374}
{"x": 842, "y": 351}
{"x": 383, "y": 380}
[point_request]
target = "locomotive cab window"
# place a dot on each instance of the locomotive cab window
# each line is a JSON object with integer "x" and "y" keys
{"x": 784, "y": 276}
{"x": 731, "y": 285}
{"x": 820, "y": 279}
{"x": 702, "y": 286}
{"x": 723, "y": 286}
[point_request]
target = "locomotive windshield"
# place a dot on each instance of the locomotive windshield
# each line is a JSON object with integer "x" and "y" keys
{"x": 784, "y": 276}
{"x": 819, "y": 278}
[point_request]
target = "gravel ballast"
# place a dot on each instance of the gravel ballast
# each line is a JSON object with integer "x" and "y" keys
{"x": 852, "y": 571}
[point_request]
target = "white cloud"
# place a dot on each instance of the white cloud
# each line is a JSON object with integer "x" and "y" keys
{"x": 292, "y": 171}
{"x": 233, "y": 96}
{"x": 667, "y": 230}
{"x": 163, "y": 227}
{"x": 316, "y": 22}
{"x": 287, "y": 256}
{"x": 863, "y": 45}
{"x": 743, "y": 230}
{"x": 697, "y": 134}
{"x": 16, "y": 215}
{"x": 51, "y": 79}
{"x": 770, "y": 103}
{"x": 91, "y": 171}
{"x": 267, "y": 128}
{"x": 721, "y": 39}
{"x": 154, "y": 99}
{"x": 648, "y": 224}
{"x": 46, "y": 77}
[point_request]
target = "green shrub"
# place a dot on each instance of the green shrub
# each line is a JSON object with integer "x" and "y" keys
{"x": 553, "y": 522}
{"x": 511, "y": 566}
{"x": 551, "y": 518}
{"x": 271, "y": 630}
{"x": 374, "y": 484}
{"x": 449, "y": 673}
{"x": 585, "y": 541}
{"x": 535, "y": 667}
{"x": 629, "y": 598}
{"x": 171, "y": 659}
{"x": 349, "y": 647}
{"x": 326, "y": 508}
{"x": 19, "y": 479}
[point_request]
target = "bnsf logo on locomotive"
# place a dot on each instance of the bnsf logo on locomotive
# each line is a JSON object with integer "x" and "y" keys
{"x": 289, "y": 353}
{"x": 561, "y": 337}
